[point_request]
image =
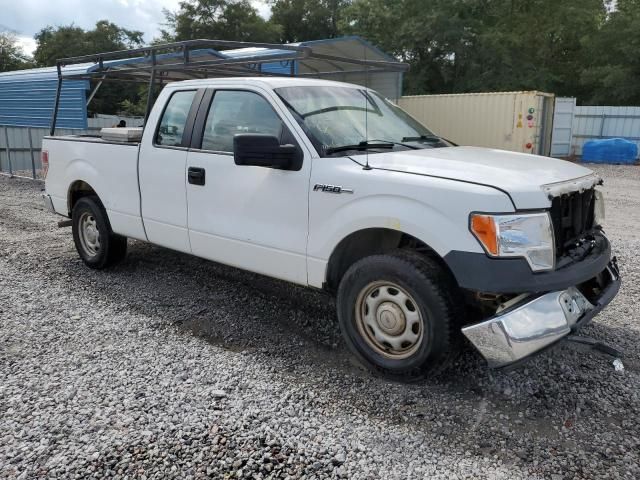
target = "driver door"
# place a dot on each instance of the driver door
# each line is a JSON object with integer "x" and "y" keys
{"x": 254, "y": 218}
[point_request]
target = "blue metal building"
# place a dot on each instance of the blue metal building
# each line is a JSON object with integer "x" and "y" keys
{"x": 27, "y": 96}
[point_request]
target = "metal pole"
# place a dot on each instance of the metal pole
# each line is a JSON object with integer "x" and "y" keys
{"x": 604, "y": 117}
{"x": 33, "y": 158}
{"x": 152, "y": 82}
{"x": 6, "y": 139}
{"x": 54, "y": 118}
{"x": 95, "y": 90}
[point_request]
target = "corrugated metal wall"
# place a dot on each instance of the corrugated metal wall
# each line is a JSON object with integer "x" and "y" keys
{"x": 592, "y": 122}
{"x": 562, "y": 127}
{"x": 21, "y": 151}
{"x": 494, "y": 120}
{"x": 27, "y": 98}
{"x": 25, "y": 140}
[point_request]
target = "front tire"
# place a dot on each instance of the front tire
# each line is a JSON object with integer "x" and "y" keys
{"x": 399, "y": 314}
{"x": 97, "y": 245}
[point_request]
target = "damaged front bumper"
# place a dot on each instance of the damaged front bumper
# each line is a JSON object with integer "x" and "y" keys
{"x": 537, "y": 323}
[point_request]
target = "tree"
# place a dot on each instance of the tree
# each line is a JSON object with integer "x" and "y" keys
{"x": 70, "y": 41}
{"x": 301, "y": 20}
{"x": 483, "y": 45}
{"x": 218, "y": 19}
{"x": 11, "y": 55}
{"x": 611, "y": 71}
{"x": 433, "y": 37}
{"x": 533, "y": 44}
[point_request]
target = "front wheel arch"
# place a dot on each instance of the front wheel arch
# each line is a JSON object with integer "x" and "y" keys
{"x": 374, "y": 241}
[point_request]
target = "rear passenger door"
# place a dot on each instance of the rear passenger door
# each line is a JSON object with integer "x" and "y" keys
{"x": 255, "y": 218}
{"x": 162, "y": 168}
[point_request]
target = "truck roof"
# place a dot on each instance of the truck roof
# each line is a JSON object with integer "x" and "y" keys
{"x": 269, "y": 82}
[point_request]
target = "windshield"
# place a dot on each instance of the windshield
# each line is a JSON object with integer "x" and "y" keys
{"x": 337, "y": 117}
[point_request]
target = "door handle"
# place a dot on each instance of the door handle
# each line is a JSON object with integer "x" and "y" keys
{"x": 196, "y": 175}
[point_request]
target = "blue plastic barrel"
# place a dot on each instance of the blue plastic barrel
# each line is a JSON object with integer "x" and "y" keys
{"x": 610, "y": 150}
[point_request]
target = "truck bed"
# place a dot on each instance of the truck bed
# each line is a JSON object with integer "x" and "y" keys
{"x": 109, "y": 168}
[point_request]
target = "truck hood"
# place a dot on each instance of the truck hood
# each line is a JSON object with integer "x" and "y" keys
{"x": 528, "y": 179}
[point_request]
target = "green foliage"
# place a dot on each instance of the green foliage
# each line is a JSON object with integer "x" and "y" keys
{"x": 482, "y": 45}
{"x": 612, "y": 69}
{"x": 583, "y": 48}
{"x": 301, "y": 20}
{"x": 219, "y": 19}
{"x": 70, "y": 41}
{"x": 11, "y": 55}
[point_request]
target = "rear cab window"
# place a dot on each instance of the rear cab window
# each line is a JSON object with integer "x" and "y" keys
{"x": 174, "y": 119}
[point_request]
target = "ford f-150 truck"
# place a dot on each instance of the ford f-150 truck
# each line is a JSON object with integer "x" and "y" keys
{"x": 331, "y": 186}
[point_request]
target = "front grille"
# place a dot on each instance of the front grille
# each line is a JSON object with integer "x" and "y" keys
{"x": 572, "y": 216}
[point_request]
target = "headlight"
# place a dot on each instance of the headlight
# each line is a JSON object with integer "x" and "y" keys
{"x": 527, "y": 235}
{"x": 598, "y": 211}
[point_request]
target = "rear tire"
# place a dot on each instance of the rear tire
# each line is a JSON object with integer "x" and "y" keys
{"x": 96, "y": 243}
{"x": 399, "y": 315}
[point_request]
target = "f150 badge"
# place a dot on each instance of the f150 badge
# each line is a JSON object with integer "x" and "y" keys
{"x": 321, "y": 187}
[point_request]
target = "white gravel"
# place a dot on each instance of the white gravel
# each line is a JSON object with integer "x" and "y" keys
{"x": 173, "y": 367}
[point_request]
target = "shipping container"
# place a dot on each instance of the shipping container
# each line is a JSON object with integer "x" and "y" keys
{"x": 516, "y": 121}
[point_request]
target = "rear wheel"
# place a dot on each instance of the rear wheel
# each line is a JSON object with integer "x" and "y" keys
{"x": 398, "y": 314}
{"x": 97, "y": 245}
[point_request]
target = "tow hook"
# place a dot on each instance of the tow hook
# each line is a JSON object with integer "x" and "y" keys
{"x": 65, "y": 223}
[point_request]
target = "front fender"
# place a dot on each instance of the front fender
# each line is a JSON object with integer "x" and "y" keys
{"x": 433, "y": 210}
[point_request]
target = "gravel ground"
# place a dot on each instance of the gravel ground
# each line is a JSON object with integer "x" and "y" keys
{"x": 172, "y": 367}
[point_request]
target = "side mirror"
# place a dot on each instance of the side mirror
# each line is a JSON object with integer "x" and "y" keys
{"x": 263, "y": 151}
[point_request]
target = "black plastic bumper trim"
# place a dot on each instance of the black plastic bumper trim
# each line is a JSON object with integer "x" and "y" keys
{"x": 478, "y": 272}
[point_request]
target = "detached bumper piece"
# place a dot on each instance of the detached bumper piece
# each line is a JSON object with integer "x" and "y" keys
{"x": 535, "y": 324}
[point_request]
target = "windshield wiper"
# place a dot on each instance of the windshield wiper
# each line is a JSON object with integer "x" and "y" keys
{"x": 359, "y": 146}
{"x": 422, "y": 138}
{"x": 412, "y": 147}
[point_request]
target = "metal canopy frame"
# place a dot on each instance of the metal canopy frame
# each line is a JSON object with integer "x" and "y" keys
{"x": 178, "y": 61}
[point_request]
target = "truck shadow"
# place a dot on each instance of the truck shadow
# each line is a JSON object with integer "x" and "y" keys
{"x": 239, "y": 310}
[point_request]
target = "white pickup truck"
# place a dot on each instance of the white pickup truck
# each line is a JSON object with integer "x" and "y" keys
{"x": 331, "y": 186}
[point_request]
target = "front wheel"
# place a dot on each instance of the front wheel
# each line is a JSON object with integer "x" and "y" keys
{"x": 398, "y": 314}
{"x": 97, "y": 245}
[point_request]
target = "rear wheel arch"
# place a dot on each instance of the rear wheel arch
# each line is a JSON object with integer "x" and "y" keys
{"x": 77, "y": 190}
{"x": 374, "y": 241}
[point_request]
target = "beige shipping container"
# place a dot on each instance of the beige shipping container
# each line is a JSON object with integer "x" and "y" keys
{"x": 516, "y": 121}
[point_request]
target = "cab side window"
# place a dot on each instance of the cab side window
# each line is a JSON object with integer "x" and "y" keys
{"x": 234, "y": 112}
{"x": 174, "y": 119}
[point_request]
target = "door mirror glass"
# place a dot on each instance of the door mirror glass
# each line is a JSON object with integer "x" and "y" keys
{"x": 263, "y": 151}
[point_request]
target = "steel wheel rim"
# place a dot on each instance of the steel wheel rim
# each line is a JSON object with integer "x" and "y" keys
{"x": 389, "y": 320}
{"x": 89, "y": 234}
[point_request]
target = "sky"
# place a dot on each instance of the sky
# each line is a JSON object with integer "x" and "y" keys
{"x": 25, "y": 18}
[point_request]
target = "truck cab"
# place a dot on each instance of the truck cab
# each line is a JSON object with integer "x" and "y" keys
{"x": 332, "y": 186}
